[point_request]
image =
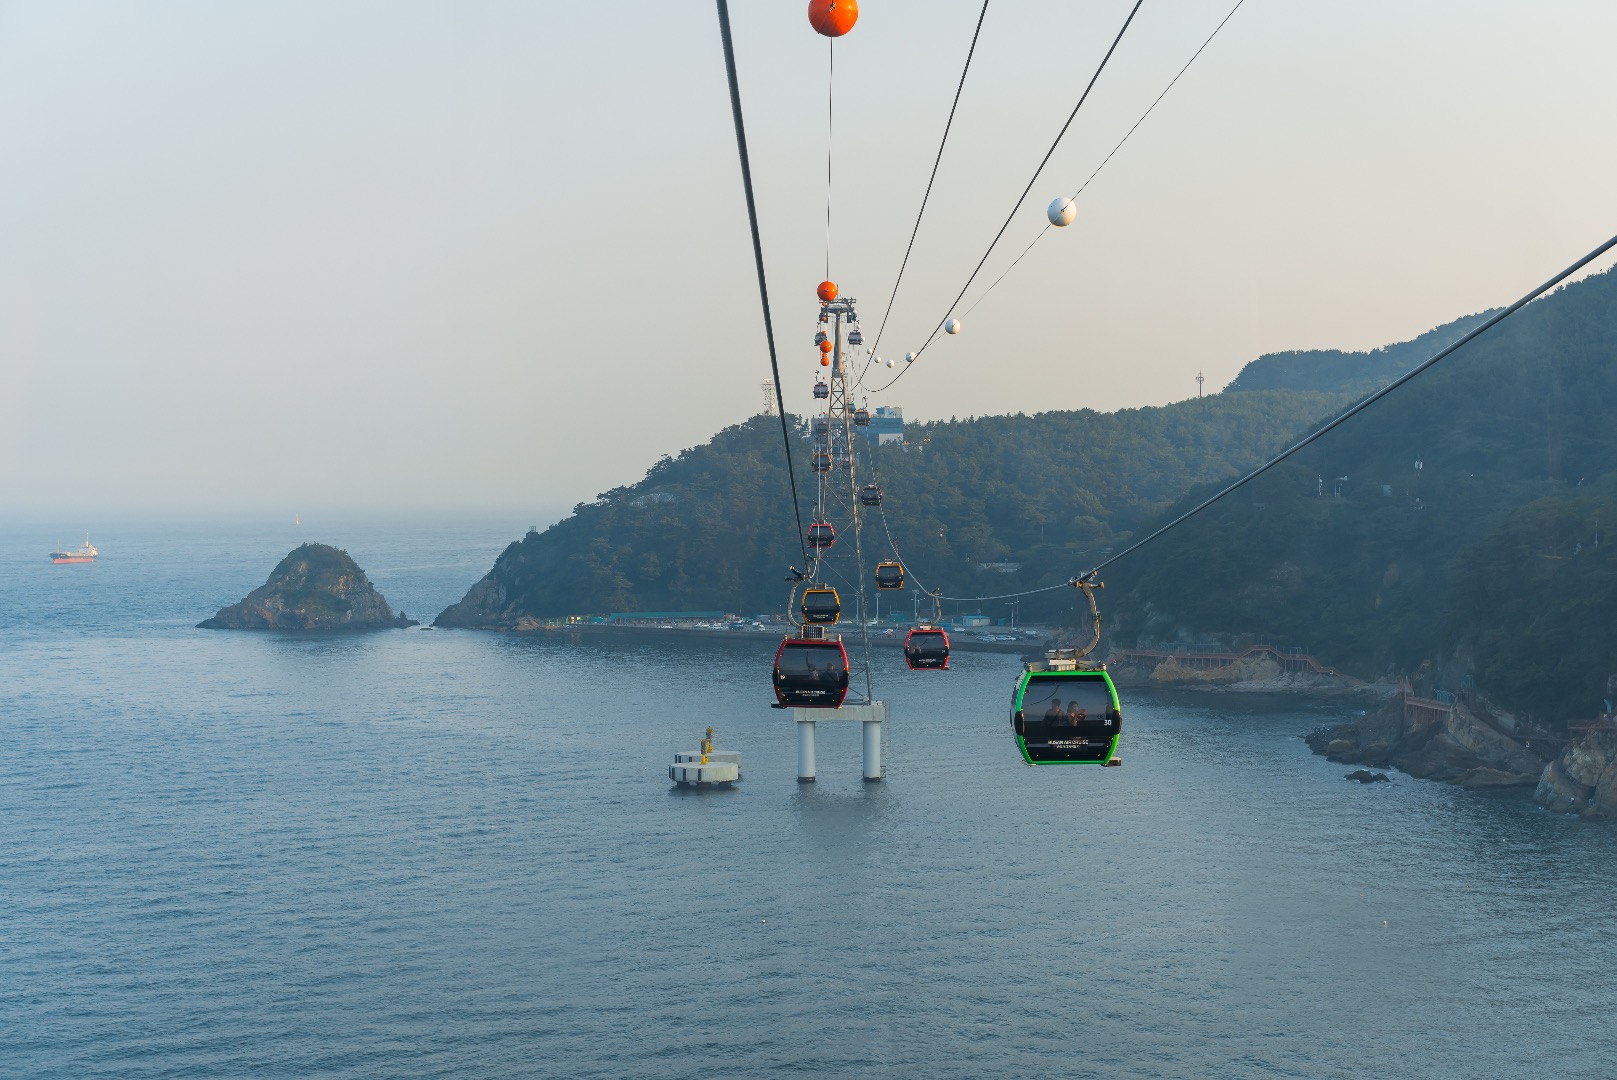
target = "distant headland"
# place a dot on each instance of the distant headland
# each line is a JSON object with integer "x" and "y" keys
{"x": 316, "y": 587}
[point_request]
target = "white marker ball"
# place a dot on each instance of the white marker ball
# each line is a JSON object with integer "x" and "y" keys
{"x": 909, "y": 358}
{"x": 952, "y": 326}
{"x": 889, "y": 363}
{"x": 1062, "y": 211}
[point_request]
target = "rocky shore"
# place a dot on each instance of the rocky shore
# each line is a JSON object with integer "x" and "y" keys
{"x": 1252, "y": 675}
{"x": 1583, "y": 777}
{"x": 1462, "y": 748}
{"x": 316, "y": 587}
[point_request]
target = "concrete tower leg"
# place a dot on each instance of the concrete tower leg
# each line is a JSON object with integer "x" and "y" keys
{"x": 805, "y": 751}
{"x": 872, "y": 750}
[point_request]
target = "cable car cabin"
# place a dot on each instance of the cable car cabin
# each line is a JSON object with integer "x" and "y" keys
{"x": 820, "y": 425}
{"x": 856, "y": 337}
{"x": 861, "y": 417}
{"x": 821, "y": 462}
{"x": 820, "y": 604}
{"x": 926, "y": 648}
{"x": 1066, "y": 717}
{"x": 870, "y": 495}
{"x": 889, "y": 575}
{"x": 821, "y": 390}
{"x": 819, "y": 336}
{"x": 811, "y": 674}
{"x": 822, "y": 534}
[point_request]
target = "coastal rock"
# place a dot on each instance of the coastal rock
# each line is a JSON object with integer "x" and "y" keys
{"x": 1583, "y": 777}
{"x": 1364, "y": 776}
{"x": 1462, "y": 748}
{"x": 316, "y": 587}
{"x": 484, "y": 607}
{"x": 1480, "y": 779}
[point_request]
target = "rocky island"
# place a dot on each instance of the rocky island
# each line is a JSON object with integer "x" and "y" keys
{"x": 316, "y": 587}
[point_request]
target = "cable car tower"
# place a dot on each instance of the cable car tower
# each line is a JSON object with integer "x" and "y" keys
{"x": 834, "y": 460}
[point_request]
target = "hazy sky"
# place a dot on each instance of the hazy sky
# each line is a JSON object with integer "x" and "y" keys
{"x": 400, "y": 254}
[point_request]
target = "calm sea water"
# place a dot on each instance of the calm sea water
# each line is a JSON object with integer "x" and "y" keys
{"x": 423, "y": 853}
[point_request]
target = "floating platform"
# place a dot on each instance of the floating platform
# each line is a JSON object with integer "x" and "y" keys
{"x": 696, "y": 774}
{"x": 706, "y": 767}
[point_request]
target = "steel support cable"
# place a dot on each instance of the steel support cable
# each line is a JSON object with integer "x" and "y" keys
{"x": 1085, "y": 185}
{"x": 758, "y": 257}
{"x": 1365, "y": 404}
{"x": 1023, "y": 198}
{"x": 938, "y": 160}
{"x": 1013, "y": 595}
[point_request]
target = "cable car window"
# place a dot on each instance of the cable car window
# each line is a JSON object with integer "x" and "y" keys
{"x": 814, "y": 663}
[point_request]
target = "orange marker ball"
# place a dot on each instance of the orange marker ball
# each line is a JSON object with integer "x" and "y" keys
{"x": 825, "y": 361}
{"x": 827, "y": 291}
{"x": 833, "y": 18}
{"x": 825, "y": 346}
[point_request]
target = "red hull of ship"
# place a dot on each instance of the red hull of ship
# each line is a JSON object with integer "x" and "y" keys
{"x": 60, "y": 559}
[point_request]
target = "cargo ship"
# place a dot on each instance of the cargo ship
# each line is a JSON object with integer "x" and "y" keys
{"x": 85, "y": 552}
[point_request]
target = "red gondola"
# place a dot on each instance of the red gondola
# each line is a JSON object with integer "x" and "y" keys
{"x": 811, "y": 674}
{"x": 821, "y": 534}
{"x": 926, "y": 648}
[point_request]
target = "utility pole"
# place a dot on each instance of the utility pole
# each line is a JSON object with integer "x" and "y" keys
{"x": 1199, "y": 380}
{"x": 769, "y": 397}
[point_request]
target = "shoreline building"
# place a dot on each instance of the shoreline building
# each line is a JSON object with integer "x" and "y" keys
{"x": 886, "y": 426}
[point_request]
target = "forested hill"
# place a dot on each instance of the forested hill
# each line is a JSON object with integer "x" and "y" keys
{"x": 1467, "y": 537}
{"x": 1355, "y": 372}
{"x": 1385, "y": 547}
{"x": 712, "y": 529}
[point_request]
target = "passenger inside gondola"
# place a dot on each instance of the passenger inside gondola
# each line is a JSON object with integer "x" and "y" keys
{"x": 820, "y": 665}
{"x": 1068, "y": 710}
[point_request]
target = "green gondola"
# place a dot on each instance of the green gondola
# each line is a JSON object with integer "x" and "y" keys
{"x": 1066, "y": 716}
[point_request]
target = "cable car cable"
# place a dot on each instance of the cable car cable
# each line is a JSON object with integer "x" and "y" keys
{"x": 1035, "y": 179}
{"x": 938, "y": 160}
{"x": 1313, "y": 436}
{"x": 1367, "y": 402}
{"x": 1108, "y": 157}
{"x": 758, "y": 257}
{"x": 830, "y": 131}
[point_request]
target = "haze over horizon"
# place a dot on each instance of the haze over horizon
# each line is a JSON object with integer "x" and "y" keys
{"x": 495, "y": 256}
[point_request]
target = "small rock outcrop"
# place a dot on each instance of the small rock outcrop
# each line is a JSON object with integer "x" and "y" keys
{"x": 1583, "y": 777}
{"x": 1365, "y": 776}
{"x": 1461, "y": 748}
{"x": 316, "y": 587}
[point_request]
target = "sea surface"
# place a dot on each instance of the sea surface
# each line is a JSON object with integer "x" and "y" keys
{"x": 430, "y": 853}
